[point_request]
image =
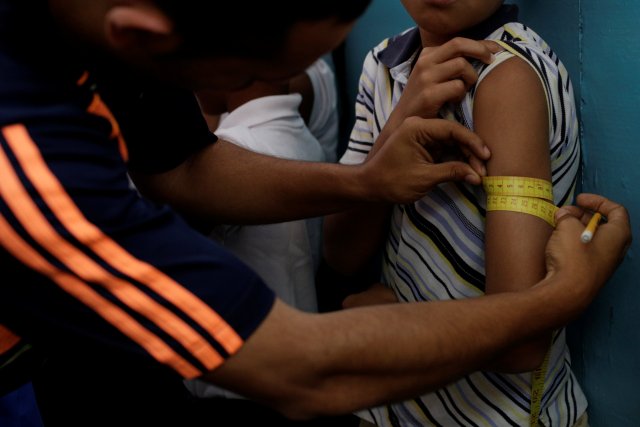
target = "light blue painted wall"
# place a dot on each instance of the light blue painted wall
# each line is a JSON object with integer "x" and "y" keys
{"x": 599, "y": 42}
{"x": 610, "y": 46}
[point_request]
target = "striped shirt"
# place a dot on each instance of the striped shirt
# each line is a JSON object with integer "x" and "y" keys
{"x": 435, "y": 249}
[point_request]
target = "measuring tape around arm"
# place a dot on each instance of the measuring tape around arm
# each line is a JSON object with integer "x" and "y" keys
{"x": 520, "y": 194}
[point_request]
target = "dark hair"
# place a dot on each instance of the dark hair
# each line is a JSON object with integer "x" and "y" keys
{"x": 242, "y": 28}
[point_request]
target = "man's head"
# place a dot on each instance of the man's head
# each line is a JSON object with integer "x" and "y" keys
{"x": 213, "y": 44}
{"x": 249, "y": 28}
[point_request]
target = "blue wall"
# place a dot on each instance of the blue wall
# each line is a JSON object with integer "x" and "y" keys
{"x": 599, "y": 42}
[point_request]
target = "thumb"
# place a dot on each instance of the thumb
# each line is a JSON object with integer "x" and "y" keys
{"x": 453, "y": 171}
{"x": 492, "y": 46}
{"x": 567, "y": 219}
{"x": 560, "y": 214}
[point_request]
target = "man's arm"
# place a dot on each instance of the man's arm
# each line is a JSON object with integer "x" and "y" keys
{"x": 309, "y": 364}
{"x": 229, "y": 184}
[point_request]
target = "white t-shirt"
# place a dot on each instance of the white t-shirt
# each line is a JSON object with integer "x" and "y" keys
{"x": 285, "y": 255}
{"x": 282, "y": 253}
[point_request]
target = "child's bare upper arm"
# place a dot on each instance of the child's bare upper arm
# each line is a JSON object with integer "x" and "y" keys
{"x": 512, "y": 116}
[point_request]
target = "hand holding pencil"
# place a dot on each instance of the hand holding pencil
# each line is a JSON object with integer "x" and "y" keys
{"x": 592, "y": 263}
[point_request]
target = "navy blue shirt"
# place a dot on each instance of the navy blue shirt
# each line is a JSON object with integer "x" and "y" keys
{"x": 94, "y": 266}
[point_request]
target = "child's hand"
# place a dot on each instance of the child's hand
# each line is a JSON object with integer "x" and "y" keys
{"x": 443, "y": 74}
{"x": 376, "y": 294}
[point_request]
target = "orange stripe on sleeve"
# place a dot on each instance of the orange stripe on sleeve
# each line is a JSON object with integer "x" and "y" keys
{"x": 39, "y": 228}
{"x": 99, "y": 108}
{"x": 110, "y": 312}
{"x": 83, "y": 78}
{"x": 69, "y": 215}
{"x": 7, "y": 339}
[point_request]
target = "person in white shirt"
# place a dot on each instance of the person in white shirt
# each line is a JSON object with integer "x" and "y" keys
{"x": 293, "y": 120}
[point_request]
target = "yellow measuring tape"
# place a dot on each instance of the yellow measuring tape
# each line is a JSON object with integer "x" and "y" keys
{"x": 520, "y": 194}
{"x": 537, "y": 388}
{"x": 532, "y": 196}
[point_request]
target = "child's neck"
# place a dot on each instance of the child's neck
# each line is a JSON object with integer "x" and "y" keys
{"x": 431, "y": 40}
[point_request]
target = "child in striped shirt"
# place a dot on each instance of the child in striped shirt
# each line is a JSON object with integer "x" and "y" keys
{"x": 446, "y": 245}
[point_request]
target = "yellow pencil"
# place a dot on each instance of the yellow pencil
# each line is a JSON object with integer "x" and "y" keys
{"x": 587, "y": 234}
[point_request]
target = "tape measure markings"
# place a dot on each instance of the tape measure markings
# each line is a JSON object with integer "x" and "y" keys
{"x": 520, "y": 194}
{"x": 518, "y": 186}
{"x": 528, "y": 205}
{"x": 537, "y": 390}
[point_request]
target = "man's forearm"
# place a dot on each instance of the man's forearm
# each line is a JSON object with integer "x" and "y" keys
{"x": 352, "y": 359}
{"x": 226, "y": 183}
{"x": 421, "y": 347}
{"x": 232, "y": 185}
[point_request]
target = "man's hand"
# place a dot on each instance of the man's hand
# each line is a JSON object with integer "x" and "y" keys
{"x": 376, "y": 294}
{"x": 593, "y": 262}
{"x": 403, "y": 171}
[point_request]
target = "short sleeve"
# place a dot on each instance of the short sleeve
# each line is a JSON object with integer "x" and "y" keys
{"x": 162, "y": 125}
